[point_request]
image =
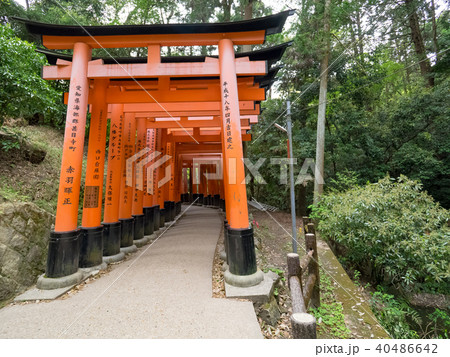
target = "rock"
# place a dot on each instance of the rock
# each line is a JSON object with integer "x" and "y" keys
{"x": 24, "y": 232}
{"x": 269, "y": 312}
{"x": 438, "y": 301}
{"x": 274, "y": 276}
{"x": 223, "y": 255}
{"x": 15, "y": 122}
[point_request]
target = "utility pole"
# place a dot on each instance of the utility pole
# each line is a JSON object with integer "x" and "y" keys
{"x": 288, "y": 131}
{"x": 320, "y": 145}
{"x": 291, "y": 176}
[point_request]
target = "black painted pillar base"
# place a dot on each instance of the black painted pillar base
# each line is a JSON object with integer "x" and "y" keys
{"x": 156, "y": 219}
{"x": 225, "y": 237}
{"x": 127, "y": 233}
{"x": 241, "y": 251}
{"x": 162, "y": 217}
{"x": 149, "y": 225}
{"x": 63, "y": 254}
{"x": 241, "y": 258}
{"x": 169, "y": 206}
{"x": 91, "y": 247}
{"x": 167, "y": 210}
{"x": 217, "y": 200}
{"x": 111, "y": 238}
{"x": 178, "y": 208}
{"x": 200, "y": 199}
{"x": 222, "y": 204}
{"x": 173, "y": 210}
{"x": 138, "y": 226}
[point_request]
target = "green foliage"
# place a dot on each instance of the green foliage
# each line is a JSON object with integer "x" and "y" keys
{"x": 70, "y": 12}
{"x": 391, "y": 231}
{"x": 280, "y": 273}
{"x": 331, "y": 320}
{"x": 23, "y": 92}
{"x": 344, "y": 181}
{"x": 11, "y": 141}
{"x": 330, "y": 315}
{"x": 10, "y": 193}
{"x": 439, "y": 326}
{"x": 392, "y": 314}
{"x": 403, "y": 321}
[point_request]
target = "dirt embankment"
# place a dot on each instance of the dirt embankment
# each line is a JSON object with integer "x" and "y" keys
{"x": 30, "y": 158}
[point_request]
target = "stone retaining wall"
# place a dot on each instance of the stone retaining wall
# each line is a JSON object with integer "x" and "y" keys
{"x": 24, "y": 232}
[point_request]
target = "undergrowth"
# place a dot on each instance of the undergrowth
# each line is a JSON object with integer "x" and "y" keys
{"x": 330, "y": 315}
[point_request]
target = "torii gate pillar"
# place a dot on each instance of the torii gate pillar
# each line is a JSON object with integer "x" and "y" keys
{"x": 111, "y": 224}
{"x": 63, "y": 251}
{"x": 240, "y": 244}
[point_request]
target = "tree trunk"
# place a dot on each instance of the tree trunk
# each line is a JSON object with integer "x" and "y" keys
{"x": 248, "y": 15}
{"x": 354, "y": 42}
{"x": 433, "y": 22}
{"x": 226, "y": 6}
{"x": 301, "y": 201}
{"x": 320, "y": 145}
{"x": 360, "y": 35}
{"x": 416, "y": 36}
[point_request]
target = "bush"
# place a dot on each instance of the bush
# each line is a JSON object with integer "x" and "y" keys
{"x": 393, "y": 315}
{"x": 391, "y": 231}
{"x": 403, "y": 321}
{"x": 23, "y": 92}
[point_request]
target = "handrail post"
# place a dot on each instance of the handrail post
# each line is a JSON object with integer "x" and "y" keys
{"x": 294, "y": 268}
{"x": 311, "y": 244}
{"x": 303, "y": 326}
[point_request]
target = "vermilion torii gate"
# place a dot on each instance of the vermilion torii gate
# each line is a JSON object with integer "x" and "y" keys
{"x": 165, "y": 115}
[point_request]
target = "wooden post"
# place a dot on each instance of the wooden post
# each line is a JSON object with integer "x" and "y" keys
{"x": 295, "y": 283}
{"x": 111, "y": 224}
{"x": 128, "y": 142}
{"x": 148, "y": 174}
{"x": 114, "y": 170}
{"x": 71, "y": 164}
{"x": 91, "y": 245}
{"x": 93, "y": 189}
{"x": 303, "y": 326}
{"x": 311, "y": 244}
{"x": 231, "y": 131}
{"x": 310, "y": 228}
{"x": 138, "y": 184}
{"x": 126, "y": 192}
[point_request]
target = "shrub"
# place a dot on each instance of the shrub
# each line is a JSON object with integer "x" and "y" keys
{"x": 23, "y": 92}
{"x": 393, "y": 314}
{"x": 391, "y": 231}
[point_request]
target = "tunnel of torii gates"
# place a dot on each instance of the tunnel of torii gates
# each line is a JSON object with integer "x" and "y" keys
{"x": 171, "y": 119}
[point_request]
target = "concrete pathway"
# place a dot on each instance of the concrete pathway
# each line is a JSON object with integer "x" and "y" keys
{"x": 162, "y": 291}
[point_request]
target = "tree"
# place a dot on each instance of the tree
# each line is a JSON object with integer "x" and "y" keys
{"x": 417, "y": 39}
{"x": 22, "y": 91}
{"x": 320, "y": 145}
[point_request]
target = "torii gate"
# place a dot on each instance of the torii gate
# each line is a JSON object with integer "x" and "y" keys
{"x": 172, "y": 110}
